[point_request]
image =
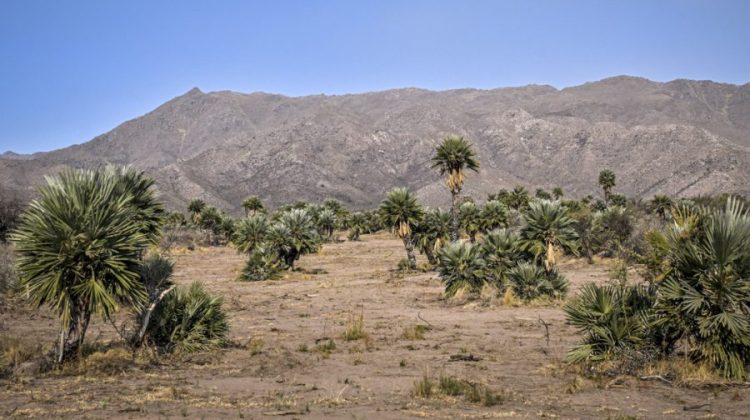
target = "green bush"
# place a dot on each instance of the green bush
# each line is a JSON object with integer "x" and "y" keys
{"x": 529, "y": 281}
{"x": 188, "y": 319}
{"x": 261, "y": 264}
{"x": 461, "y": 266}
{"x": 612, "y": 319}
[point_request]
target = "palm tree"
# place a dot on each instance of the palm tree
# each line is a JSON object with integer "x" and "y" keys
{"x": 461, "y": 266}
{"x": 195, "y": 207}
{"x": 607, "y": 182}
{"x": 149, "y": 213}
{"x": 432, "y": 233}
{"x": 529, "y": 281}
{"x": 501, "y": 250}
{"x": 453, "y": 156}
{"x": 401, "y": 212}
{"x": 326, "y": 222}
{"x": 541, "y": 193}
{"x": 518, "y": 198}
{"x": 210, "y": 221}
{"x": 661, "y": 205}
{"x": 494, "y": 216}
{"x": 705, "y": 297}
{"x": 294, "y": 235}
{"x": 548, "y": 227}
{"x": 79, "y": 246}
{"x": 557, "y": 192}
{"x": 357, "y": 225}
{"x": 252, "y": 205}
{"x": 471, "y": 219}
{"x": 250, "y": 233}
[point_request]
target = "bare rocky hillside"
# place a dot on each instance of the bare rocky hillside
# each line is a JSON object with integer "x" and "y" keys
{"x": 682, "y": 137}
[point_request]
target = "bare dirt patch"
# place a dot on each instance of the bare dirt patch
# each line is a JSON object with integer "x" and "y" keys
{"x": 297, "y": 355}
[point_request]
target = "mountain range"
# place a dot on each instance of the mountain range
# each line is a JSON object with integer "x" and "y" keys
{"x": 682, "y": 138}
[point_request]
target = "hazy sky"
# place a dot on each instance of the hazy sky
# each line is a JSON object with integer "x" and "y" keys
{"x": 70, "y": 70}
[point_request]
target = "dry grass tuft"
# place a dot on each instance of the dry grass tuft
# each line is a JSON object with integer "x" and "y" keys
{"x": 415, "y": 332}
{"x": 355, "y": 328}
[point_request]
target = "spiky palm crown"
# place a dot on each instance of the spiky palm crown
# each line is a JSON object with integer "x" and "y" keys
{"x": 196, "y": 205}
{"x": 250, "y": 232}
{"x": 470, "y": 217}
{"x": 326, "y": 219}
{"x": 661, "y": 205}
{"x": 433, "y": 231}
{"x": 300, "y": 231}
{"x": 548, "y": 226}
{"x": 252, "y": 203}
{"x": 529, "y": 281}
{"x": 706, "y": 292}
{"x": 188, "y": 319}
{"x": 606, "y": 179}
{"x": 494, "y": 216}
{"x": 518, "y": 198}
{"x": 461, "y": 265}
{"x": 400, "y": 211}
{"x": 79, "y": 244}
{"x": 501, "y": 250}
{"x": 452, "y": 157}
{"x": 149, "y": 212}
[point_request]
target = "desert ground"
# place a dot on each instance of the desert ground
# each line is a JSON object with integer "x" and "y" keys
{"x": 290, "y": 357}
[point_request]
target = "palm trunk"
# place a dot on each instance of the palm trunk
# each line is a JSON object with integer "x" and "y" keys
{"x": 72, "y": 336}
{"x": 410, "y": 252}
{"x": 454, "y": 216}
{"x": 430, "y": 255}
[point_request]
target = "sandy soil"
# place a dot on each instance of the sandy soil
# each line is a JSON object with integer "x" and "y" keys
{"x": 277, "y": 369}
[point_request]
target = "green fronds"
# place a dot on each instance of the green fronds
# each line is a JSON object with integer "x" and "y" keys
{"x": 250, "y": 233}
{"x": 188, "y": 319}
{"x": 530, "y": 281}
{"x": 461, "y": 266}
{"x": 452, "y": 157}
{"x": 400, "y": 211}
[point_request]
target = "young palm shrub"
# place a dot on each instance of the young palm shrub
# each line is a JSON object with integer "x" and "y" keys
{"x": 210, "y": 221}
{"x": 227, "y": 226}
{"x": 294, "y": 235}
{"x": 357, "y": 225}
{"x": 326, "y": 222}
{"x": 188, "y": 319}
{"x": 250, "y": 233}
{"x": 79, "y": 246}
{"x": 262, "y": 264}
{"x": 156, "y": 276}
{"x": 501, "y": 250}
{"x": 401, "y": 212}
{"x": 432, "y": 233}
{"x": 494, "y": 216}
{"x": 470, "y": 220}
{"x": 518, "y": 199}
{"x": 252, "y": 205}
{"x": 705, "y": 295}
{"x": 529, "y": 282}
{"x": 460, "y": 267}
{"x": 612, "y": 319}
{"x": 453, "y": 157}
{"x": 195, "y": 208}
{"x": 661, "y": 205}
{"x": 547, "y": 228}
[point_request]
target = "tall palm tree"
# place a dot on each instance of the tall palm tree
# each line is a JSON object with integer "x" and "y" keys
{"x": 195, "y": 207}
{"x": 607, "y": 182}
{"x": 401, "y": 212}
{"x": 252, "y": 205}
{"x": 548, "y": 227}
{"x": 79, "y": 246}
{"x": 453, "y": 156}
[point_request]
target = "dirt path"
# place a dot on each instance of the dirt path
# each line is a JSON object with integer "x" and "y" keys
{"x": 283, "y": 368}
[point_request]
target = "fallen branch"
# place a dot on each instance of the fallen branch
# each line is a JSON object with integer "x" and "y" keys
{"x": 419, "y": 315}
{"x": 656, "y": 377}
{"x": 147, "y": 314}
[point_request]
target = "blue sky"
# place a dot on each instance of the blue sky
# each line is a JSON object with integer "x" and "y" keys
{"x": 70, "y": 70}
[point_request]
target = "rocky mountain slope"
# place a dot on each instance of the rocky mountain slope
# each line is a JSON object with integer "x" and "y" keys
{"x": 682, "y": 137}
